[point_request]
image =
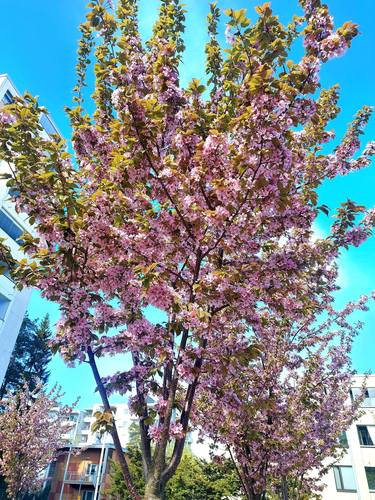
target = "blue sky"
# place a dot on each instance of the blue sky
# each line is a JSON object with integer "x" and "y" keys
{"x": 38, "y": 51}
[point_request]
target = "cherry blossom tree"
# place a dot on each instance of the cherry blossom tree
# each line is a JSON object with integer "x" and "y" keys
{"x": 197, "y": 201}
{"x": 31, "y": 429}
{"x": 280, "y": 416}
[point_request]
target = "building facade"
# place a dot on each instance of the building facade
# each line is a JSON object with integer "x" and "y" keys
{"x": 82, "y": 472}
{"x": 353, "y": 477}
{"x": 80, "y": 434}
{"x": 80, "y": 476}
{"x": 13, "y": 303}
{"x": 86, "y": 475}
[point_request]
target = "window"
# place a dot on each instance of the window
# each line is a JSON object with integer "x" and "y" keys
{"x": 9, "y": 226}
{"x": 370, "y": 474}
{"x": 7, "y": 98}
{"x": 343, "y": 440}
{"x": 83, "y": 438}
{"x": 47, "y": 124}
{"x": 366, "y": 435}
{"x": 51, "y": 470}
{"x": 91, "y": 469}
{"x": 87, "y": 495}
{"x": 344, "y": 478}
{"x": 369, "y": 400}
{"x": 4, "y": 304}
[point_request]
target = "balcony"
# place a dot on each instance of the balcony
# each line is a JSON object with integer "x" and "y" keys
{"x": 79, "y": 478}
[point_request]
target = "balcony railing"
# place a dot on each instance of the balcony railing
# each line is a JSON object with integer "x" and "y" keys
{"x": 76, "y": 477}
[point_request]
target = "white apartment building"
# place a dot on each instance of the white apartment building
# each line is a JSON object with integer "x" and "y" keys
{"x": 80, "y": 434}
{"x": 13, "y": 303}
{"x": 353, "y": 477}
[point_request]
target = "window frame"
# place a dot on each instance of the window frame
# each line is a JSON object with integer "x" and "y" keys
{"x": 368, "y": 401}
{"x": 369, "y": 467}
{"x": 338, "y": 487}
{"x": 10, "y": 226}
{"x": 91, "y": 469}
{"x": 360, "y": 436}
{"x": 343, "y": 440}
{"x": 8, "y": 97}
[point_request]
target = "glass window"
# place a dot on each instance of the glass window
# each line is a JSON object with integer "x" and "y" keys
{"x": 47, "y": 124}
{"x": 87, "y": 495}
{"x": 91, "y": 469}
{"x": 364, "y": 435}
{"x": 344, "y": 478}
{"x": 370, "y": 474}
{"x": 369, "y": 400}
{"x": 9, "y": 226}
{"x": 4, "y": 304}
{"x": 7, "y": 98}
{"x": 343, "y": 440}
{"x": 52, "y": 469}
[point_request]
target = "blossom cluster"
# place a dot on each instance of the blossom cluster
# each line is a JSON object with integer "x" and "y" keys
{"x": 197, "y": 204}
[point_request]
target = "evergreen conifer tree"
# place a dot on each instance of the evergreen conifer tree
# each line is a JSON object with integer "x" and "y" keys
{"x": 30, "y": 358}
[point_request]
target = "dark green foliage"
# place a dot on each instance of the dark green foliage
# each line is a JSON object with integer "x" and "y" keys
{"x": 118, "y": 490}
{"x": 200, "y": 480}
{"x": 195, "y": 479}
{"x": 30, "y": 358}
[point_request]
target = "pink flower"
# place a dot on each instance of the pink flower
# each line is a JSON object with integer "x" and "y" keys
{"x": 229, "y": 37}
{"x": 176, "y": 431}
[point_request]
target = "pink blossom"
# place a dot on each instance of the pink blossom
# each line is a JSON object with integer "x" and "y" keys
{"x": 229, "y": 37}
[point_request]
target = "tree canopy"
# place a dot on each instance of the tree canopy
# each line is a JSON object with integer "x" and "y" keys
{"x": 31, "y": 433}
{"x": 195, "y": 479}
{"x": 199, "y": 202}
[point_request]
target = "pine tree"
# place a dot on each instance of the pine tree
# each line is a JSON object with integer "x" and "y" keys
{"x": 30, "y": 358}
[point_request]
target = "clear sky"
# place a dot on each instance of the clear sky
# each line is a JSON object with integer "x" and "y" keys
{"x": 38, "y": 50}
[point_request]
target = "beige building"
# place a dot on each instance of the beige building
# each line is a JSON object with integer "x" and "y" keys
{"x": 353, "y": 477}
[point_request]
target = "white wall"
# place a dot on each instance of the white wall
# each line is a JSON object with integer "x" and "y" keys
{"x": 13, "y": 303}
{"x": 357, "y": 456}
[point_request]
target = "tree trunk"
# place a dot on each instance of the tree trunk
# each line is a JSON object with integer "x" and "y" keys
{"x": 251, "y": 495}
{"x": 284, "y": 489}
{"x": 154, "y": 489}
{"x": 114, "y": 433}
